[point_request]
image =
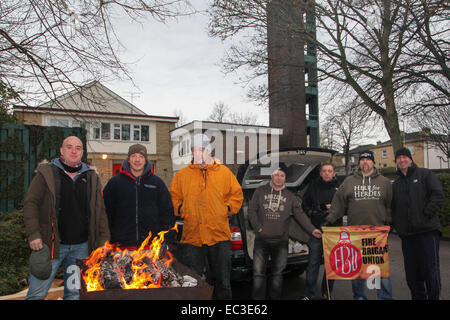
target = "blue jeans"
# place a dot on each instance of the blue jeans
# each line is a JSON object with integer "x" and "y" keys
{"x": 278, "y": 252}
{"x": 218, "y": 258}
{"x": 68, "y": 255}
{"x": 359, "y": 287}
{"x": 312, "y": 271}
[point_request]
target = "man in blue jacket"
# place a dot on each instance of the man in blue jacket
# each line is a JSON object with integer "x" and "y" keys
{"x": 137, "y": 202}
{"x": 417, "y": 197}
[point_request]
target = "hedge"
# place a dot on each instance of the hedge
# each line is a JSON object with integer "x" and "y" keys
{"x": 444, "y": 213}
{"x": 14, "y": 253}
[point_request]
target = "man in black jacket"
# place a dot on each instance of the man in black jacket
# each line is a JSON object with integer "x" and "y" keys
{"x": 316, "y": 202}
{"x": 417, "y": 197}
{"x": 137, "y": 202}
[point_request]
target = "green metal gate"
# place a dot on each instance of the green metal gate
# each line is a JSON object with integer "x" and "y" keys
{"x": 22, "y": 148}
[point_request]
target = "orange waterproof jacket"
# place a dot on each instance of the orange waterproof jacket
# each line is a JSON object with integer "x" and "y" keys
{"x": 205, "y": 198}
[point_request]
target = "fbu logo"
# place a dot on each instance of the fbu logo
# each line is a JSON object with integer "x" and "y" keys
{"x": 345, "y": 259}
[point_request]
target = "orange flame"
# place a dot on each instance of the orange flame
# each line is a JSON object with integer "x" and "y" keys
{"x": 142, "y": 278}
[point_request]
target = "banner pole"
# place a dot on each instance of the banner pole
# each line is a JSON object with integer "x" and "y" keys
{"x": 328, "y": 287}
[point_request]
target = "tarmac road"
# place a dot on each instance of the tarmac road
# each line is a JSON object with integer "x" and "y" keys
{"x": 293, "y": 284}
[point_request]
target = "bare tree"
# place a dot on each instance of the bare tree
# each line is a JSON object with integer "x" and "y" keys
{"x": 369, "y": 45}
{"x": 437, "y": 121}
{"x": 243, "y": 118}
{"x": 219, "y": 113}
{"x": 6, "y": 96}
{"x": 52, "y": 47}
{"x": 222, "y": 113}
{"x": 350, "y": 122}
{"x": 182, "y": 119}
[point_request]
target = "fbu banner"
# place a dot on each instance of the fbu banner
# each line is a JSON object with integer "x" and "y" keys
{"x": 351, "y": 252}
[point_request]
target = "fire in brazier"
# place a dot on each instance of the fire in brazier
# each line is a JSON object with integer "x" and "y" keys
{"x": 109, "y": 267}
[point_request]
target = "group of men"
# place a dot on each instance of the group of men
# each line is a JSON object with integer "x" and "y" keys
{"x": 67, "y": 214}
{"x": 410, "y": 204}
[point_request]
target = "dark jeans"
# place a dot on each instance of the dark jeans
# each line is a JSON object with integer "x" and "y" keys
{"x": 421, "y": 260}
{"x": 278, "y": 252}
{"x": 312, "y": 271}
{"x": 218, "y": 258}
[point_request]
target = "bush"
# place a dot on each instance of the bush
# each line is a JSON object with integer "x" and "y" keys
{"x": 14, "y": 253}
{"x": 444, "y": 213}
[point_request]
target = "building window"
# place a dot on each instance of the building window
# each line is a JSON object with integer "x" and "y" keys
{"x": 136, "y": 132}
{"x": 106, "y": 131}
{"x": 384, "y": 153}
{"x": 76, "y": 123}
{"x": 184, "y": 147}
{"x": 116, "y": 131}
{"x": 119, "y": 131}
{"x": 145, "y": 133}
{"x": 125, "y": 132}
{"x": 411, "y": 149}
{"x": 58, "y": 123}
{"x": 66, "y": 123}
{"x": 140, "y": 133}
{"x": 95, "y": 131}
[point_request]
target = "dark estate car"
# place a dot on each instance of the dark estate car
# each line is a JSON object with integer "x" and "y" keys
{"x": 303, "y": 167}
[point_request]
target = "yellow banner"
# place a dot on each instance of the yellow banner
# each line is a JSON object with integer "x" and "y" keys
{"x": 356, "y": 252}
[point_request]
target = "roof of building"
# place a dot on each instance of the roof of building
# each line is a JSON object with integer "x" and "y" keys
{"x": 93, "y": 99}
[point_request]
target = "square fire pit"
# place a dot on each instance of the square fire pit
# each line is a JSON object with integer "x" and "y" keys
{"x": 203, "y": 291}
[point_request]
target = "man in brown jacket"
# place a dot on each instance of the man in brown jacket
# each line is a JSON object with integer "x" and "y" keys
{"x": 64, "y": 211}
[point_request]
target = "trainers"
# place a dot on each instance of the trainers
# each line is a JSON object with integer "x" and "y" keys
{"x": 305, "y": 298}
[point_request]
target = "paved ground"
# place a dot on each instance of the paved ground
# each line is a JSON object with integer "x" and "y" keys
{"x": 294, "y": 283}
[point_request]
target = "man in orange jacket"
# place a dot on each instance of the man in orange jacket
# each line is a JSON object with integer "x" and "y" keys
{"x": 205, "y": 193}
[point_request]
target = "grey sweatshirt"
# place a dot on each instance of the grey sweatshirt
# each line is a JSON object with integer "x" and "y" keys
{"x": 271, "y": 210}
{"x": 366, "y": 200}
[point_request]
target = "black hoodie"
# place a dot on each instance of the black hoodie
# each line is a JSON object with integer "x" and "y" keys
{"x": 137, "y": 205}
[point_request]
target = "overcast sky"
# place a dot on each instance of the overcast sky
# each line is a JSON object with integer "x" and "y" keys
{"x": 177, "y": 67}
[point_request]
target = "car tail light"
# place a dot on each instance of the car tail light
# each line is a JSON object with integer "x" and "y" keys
{"x": 236, "y": 238}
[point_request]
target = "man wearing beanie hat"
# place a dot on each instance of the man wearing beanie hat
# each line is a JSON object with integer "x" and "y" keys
{"x": 205, "y": 193}
{"x": 137, "y": 202}
{"x": 365, "y": 196}
{"x": 417, "y": 197}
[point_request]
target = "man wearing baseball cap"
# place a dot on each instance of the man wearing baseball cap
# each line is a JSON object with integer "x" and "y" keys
{"x": 365, "y": 196}
{"x": 137, "y": 202}
{"x": 417, "y": 197}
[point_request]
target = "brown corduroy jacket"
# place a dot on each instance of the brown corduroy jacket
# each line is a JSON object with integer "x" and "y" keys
{"x": 40, "y": 217}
